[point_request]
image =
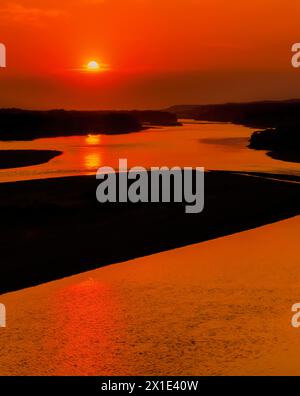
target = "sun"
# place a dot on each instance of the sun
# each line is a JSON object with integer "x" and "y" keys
{"x": 93, "y": 66}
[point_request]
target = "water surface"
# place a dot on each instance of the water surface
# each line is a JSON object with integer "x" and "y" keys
{"x": 221, "y": 307}
{"x": 219, "y": 146}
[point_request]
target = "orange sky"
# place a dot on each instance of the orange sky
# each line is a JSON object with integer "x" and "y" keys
{"x": 160, "y": 52}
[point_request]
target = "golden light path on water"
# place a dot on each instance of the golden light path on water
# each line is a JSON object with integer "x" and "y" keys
{"x": 218, "y": 307}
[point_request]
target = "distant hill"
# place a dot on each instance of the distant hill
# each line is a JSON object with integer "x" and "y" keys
{"x": 264, "y": 114}
{"x": 154, "y": 117}
{"x": 18, "y": 124}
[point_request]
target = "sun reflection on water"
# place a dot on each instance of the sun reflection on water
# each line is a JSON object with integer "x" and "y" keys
{"x": 92, "y": 161}
{"x": 93, "y": 139}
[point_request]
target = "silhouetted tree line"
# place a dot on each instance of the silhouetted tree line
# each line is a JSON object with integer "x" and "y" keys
{"x": 278, "y": 139}
{"x": 267, "y": 114}
{"x": 17, "y": 124}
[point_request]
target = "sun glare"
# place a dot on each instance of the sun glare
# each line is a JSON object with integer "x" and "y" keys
{"x": 93, "y": 66}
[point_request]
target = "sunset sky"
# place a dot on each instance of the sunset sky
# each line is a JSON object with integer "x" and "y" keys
{"x": 156, "y": 52}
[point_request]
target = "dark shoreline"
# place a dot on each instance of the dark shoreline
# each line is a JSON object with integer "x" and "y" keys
{"x": 55, "y": 228}
{"x": 20, "y": 158}
{"x": 285, "y": 155}
{"x": 259, "y": 114}
{"x": 26, "y": 125}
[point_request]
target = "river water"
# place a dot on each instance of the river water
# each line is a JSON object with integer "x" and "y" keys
{"x": 213, "y": 146}
{"x": 221, "y": 307}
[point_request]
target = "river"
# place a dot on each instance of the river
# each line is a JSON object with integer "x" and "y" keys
{"x": 220, "y": 146}
{"x": 221, "y": 307}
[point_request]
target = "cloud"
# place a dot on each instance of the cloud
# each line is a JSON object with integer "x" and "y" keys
{"x": 18, "y": 13}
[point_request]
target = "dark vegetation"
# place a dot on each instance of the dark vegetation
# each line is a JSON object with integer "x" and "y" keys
{"x": 267, "y": 114}
{"x": 283, "y": 142}
{"x": 16, "y": 124}
{"x": 19, "y": 158}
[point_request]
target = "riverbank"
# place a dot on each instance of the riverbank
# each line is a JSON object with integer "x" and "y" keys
{"x": 19, "y": 124}
{"x": 282, "y": 143}
{"x": 55, "y": 228}
{"x": 21, "y": 158}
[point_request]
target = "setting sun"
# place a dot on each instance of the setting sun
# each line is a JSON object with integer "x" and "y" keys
{"x": 93, "y": 66}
